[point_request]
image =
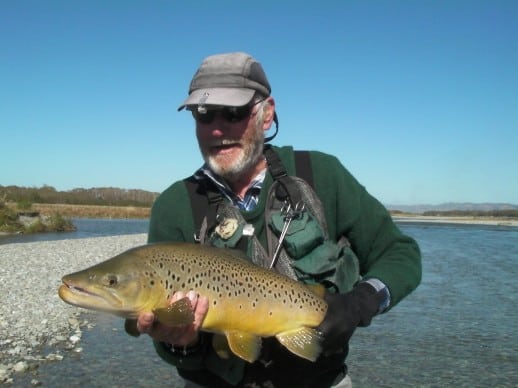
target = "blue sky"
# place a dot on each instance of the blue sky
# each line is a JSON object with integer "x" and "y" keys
{"x": 418, "y": 99}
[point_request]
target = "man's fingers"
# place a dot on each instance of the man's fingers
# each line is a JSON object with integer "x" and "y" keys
{"x": 145, "y": 322}
{"x": 177, "y": 296}
{"x": 202, "y": 306}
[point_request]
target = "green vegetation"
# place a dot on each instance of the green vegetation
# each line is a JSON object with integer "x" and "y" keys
{"x": 105, "y": 196}
{"x": 22, "y": 220}
{"x": 8, "y": 219}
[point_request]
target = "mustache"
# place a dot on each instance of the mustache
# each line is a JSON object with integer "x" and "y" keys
{"x": 224, "y": 142}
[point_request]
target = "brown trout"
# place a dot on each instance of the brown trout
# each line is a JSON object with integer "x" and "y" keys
{"x": 246, "y": 302}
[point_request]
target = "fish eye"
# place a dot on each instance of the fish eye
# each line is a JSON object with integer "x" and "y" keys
{"x": 111, "y": 280}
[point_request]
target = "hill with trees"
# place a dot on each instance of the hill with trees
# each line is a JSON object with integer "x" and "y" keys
{"x": 109, "y": 196}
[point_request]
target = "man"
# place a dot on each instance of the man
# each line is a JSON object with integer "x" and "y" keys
{"x": 231, "y": 103}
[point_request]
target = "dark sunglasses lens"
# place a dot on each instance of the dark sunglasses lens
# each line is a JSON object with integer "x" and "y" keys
{"x": 235, "y": 114}
{"x": 205, "y": 118}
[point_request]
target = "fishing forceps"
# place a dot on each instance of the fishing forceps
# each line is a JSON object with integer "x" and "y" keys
{"x": 289, "y": 214}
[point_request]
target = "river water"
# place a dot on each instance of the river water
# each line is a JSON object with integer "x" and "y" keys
{"x": 459, "y": 328}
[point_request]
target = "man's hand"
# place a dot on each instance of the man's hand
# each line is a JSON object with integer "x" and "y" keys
{"x": 345, "y": 312}
{"x": 185, "y": 335}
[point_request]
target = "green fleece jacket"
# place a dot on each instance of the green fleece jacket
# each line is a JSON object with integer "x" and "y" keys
{"x": 383, "y": 251}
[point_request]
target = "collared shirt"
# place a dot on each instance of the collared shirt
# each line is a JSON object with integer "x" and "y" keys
{"x": 249, "y": 202}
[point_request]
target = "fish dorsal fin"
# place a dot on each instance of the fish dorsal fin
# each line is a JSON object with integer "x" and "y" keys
{"x": 317, "y": 289}
{"x": 245, "y": 345}
{"x": 304, "y": 342}
{"x": 235, "y": 253}
{"x": 177, "y": 313}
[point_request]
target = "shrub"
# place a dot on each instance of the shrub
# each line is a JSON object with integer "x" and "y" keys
{"x": 36, "y": 227}
{"x": 9, "y": 219}
{"x": 24, "y": 205}
{"x": 58, "y": 223}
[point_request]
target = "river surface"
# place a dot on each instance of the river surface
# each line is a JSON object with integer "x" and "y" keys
{"x": 458, "y": 329}
{"x": 85, "y": 227}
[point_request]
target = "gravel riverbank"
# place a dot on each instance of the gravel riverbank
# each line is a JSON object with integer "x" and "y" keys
{"x": 35, "y": 324}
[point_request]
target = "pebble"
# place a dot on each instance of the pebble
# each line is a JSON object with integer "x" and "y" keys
{"x": 33, "y": 319}
{"x": 20, "y": 366}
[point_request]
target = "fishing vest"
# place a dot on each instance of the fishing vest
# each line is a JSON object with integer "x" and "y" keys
{"x": 298, "y": 244}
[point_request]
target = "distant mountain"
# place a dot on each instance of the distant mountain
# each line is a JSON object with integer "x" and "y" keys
{"x": 450, "y": 206}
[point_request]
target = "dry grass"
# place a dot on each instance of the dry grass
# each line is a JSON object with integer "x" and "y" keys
{"x": 91, "y": 211}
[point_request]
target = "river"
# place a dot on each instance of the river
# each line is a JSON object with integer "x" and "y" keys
{"x": 459, "y": 328}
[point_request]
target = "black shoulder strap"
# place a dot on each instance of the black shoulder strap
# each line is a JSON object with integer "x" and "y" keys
{"x": 303, "y": 167}
{"x": 204, "y": 202}
{"x": 198, "y": 198}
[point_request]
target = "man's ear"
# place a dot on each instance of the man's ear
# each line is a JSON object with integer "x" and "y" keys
{"x": 269, "y": 112}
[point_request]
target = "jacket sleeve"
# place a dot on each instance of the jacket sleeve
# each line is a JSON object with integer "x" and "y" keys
{"x": 383, "y": 251}
{"x": 192, "y": 360}
{"x": 171, "y": 216}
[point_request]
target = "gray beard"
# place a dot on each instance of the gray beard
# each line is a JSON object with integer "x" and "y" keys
{"x": 246, "y": 162}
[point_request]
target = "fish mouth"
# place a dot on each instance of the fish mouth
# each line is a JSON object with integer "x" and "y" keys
{"x": 86, "y": 297}
{"x": 79, "y": 290}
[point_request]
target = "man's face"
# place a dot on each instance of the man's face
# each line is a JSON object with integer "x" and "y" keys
{"x": 231, "y": 149}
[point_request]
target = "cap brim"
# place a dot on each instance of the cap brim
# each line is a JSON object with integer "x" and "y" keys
{"x": 219, "y": 96}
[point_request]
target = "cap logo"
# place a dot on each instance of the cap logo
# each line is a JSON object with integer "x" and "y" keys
{"x": 201, "y": 103}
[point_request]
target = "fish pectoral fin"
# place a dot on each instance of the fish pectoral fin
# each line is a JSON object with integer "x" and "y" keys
{"x": 245, "y": 345}
{"x": 130, "y": 326}
{"x": 220, "y": 345}
{"x": 177, "y": 313}
{"x": 304, "y": 342}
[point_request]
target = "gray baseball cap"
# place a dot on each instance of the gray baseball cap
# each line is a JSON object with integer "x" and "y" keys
{"x": 229, "y": 79}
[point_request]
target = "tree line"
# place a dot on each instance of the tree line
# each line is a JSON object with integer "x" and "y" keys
{"x": 109, "y": 196}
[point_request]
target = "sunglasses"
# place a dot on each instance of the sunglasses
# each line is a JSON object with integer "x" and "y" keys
{"x": 232, "y": 114}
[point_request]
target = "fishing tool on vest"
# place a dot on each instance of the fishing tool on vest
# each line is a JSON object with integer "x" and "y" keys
{"x": 289, "y": 213}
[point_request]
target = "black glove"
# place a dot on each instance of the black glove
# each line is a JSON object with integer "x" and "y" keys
{"x": 347, "y": 311}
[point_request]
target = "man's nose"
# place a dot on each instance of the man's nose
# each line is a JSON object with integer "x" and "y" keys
{"x": 219, "y": 126}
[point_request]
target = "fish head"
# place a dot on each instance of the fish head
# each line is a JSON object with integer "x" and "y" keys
{"x": 124, "y": 285}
